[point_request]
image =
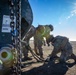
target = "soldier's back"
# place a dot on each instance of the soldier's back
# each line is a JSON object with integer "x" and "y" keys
{"x": 60, "y": 42}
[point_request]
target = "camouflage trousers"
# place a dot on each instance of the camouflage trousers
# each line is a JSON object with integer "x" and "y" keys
{"x": 25, "y": 49}
{"x": 66, "y": 52}
{"x": 38, "y": 42}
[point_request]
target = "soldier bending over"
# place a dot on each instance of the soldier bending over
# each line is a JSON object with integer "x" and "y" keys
{"x": 61, "y": 44}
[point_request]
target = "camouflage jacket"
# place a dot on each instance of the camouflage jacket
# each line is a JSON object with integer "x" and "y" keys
{"x": 59, "y": 42}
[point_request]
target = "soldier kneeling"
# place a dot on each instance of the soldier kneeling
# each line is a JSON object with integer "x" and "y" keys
{"x": 61, "y": 44}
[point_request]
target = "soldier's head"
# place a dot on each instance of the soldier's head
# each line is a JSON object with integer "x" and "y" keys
{"x": 49, "y": 39}
{"x": 51, "y": 27}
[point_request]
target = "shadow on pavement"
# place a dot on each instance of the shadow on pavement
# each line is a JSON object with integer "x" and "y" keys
{"x": 50, "y": 68}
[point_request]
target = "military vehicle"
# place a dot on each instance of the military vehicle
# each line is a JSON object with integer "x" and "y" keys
{"x": 15, "y": 20}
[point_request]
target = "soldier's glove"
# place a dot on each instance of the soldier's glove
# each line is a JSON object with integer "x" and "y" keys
{"x": 48, "y": 44}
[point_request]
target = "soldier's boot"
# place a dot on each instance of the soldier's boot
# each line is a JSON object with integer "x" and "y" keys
{"x": 73, "y": 57}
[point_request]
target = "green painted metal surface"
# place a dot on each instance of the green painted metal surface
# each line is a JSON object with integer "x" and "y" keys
{"x": 26, "y": 20}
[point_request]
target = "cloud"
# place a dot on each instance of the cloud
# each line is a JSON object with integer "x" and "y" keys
{"x": 74, "y": 9}
{"x": 68, "y": 17}
{"x": 72, "y": 13}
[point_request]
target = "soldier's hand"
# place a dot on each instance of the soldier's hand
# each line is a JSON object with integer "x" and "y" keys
{"x": 48, "y": 44}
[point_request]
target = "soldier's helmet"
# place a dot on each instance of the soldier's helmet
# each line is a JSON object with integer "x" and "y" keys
{"x": 51, "y": 27}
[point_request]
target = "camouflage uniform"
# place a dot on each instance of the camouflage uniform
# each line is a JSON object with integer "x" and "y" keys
{"x": 62, "y": 44}
{"x": 41, "y": 32}
{"x": 38, "y": 42}
{"x": 26, "y": 38}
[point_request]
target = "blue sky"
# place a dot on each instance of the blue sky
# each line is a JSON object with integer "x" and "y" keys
{"x": 60, "y": 13}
